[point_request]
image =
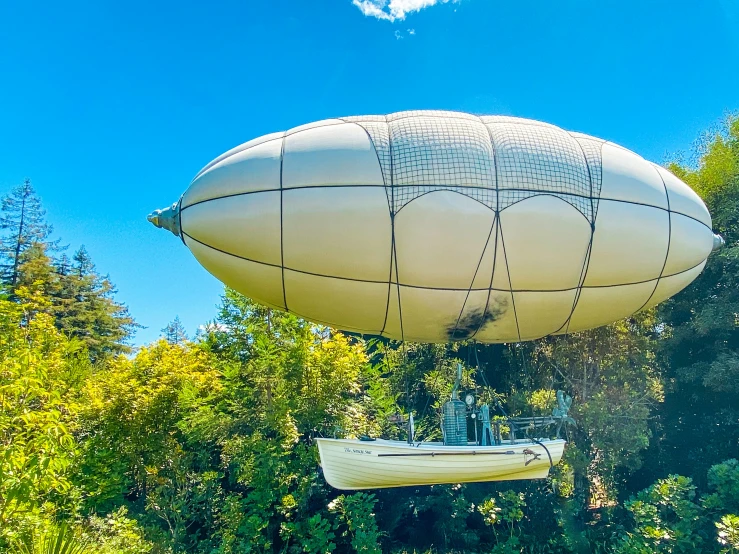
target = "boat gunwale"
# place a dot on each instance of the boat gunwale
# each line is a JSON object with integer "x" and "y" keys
{"x": 471, "y": 449}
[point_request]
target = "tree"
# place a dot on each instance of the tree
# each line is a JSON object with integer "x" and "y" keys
{"x": 701, "y": 328}
{"x": 36, "y": 445}
{"x": 174, "y": 332}
{"x": 667, "y": 519}
{"x": 130, "y": 414}
{"x": 23, "y": 225}
{"x": 84, "y": 307}
{"x": 81, "y": 301}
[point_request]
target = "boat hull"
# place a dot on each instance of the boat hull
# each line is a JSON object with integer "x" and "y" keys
{"x": 357, "y": 465}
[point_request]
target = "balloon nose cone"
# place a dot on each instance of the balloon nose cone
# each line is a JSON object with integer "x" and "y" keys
{"x": 718, "y": 242}
{"x": 167, "y": 218}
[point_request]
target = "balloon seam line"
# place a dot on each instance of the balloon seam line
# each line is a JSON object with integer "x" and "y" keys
{"x": 510, "y": 284}
{"x": 589, "y": 251}
{"x": 390, "y": 206}
{"x": 282, "y": 229}
{"x": 492, "y": 275}
{"x": 496, "y": 223}
{"x": 392, "y": 222}
{"x": 581, "y": 285}
{"x": 220, "y": 159}
{"x": 669, "y": 239}
{"x": 541, "y": 193}
{"x": 410, "y": 286}
{"x": 469, "y": 290}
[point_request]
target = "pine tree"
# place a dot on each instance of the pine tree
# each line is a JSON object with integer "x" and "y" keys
{"x": 36, "y": 269}
{"x": 84, "y": 307}
{"x": 81, "y": 301}
{"x": 174, "y": 332}
{"x": 23, "y": 225}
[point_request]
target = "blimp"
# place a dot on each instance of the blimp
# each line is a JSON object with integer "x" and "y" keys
{"x": 433, "y": 226}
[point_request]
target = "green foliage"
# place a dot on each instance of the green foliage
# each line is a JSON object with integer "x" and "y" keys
{"x": 667, "y": 518}
{"x": 80, "y": 300}
{"x": 23, "y": 226}
{"x": 614, "y": 378}
{"x": 129, "y": 417}
{"x": 115, "y": 533}
{"x": 36, "y": 447}
{"x": 84, "y": 307}
{"x": 728, "y": 533}
{"x": 506, "y": 510}
{"x": 490, "y": 511}
{"x": 318, "y": 535}
{"x": 356, "y": 513}
{"x": 724, "y": 479}
{"x": 701, "y": 327}
{"x": 174, "y": 332}
{"x": 542, "y": 401}
{"x": 56, "y": 539}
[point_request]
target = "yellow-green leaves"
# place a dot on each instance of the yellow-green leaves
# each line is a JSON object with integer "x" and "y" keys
{"x": 36, "y": 447}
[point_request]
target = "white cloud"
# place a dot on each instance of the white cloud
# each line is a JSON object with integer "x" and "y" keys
{"x": 392, "y": 10}
{"x": 411, "y": 31}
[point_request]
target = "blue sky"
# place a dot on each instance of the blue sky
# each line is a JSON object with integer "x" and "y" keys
{"x": 112, "y": 107}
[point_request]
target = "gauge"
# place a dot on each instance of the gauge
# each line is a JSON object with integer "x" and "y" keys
{"x": 469, "y": 399}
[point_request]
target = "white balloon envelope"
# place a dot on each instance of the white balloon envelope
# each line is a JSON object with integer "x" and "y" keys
{"x": 433, "y": 226}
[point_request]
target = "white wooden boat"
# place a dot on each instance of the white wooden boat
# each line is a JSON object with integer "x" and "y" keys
{"x": 355, "y": 464}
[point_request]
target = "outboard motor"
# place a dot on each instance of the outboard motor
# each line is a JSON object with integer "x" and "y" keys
{"x": 454, "y": 417}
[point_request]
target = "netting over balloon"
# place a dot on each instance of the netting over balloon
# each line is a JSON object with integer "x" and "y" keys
{"x": 496, "y": 160}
